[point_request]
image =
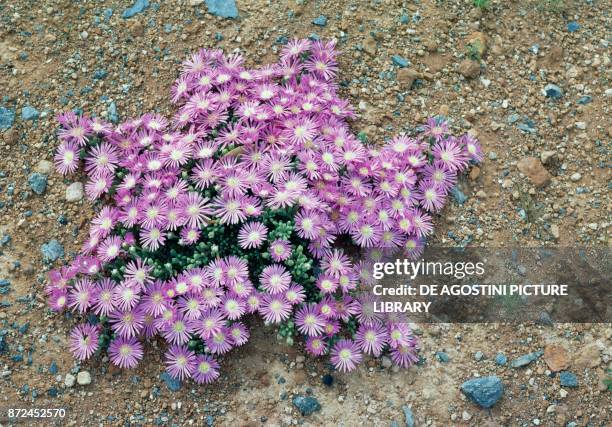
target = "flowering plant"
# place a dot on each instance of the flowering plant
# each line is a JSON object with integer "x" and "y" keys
{"x": 236, "y": 207}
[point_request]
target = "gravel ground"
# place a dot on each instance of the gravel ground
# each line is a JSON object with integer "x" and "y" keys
{"x": 530, "y": 78}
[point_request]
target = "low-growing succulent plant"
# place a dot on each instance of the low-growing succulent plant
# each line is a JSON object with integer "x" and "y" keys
{"x": 235, "y": 207}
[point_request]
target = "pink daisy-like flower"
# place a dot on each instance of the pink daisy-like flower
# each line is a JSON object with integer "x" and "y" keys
{"x": 431, "y": 196}
{"x": 220, "y": 342}
{"x": 327, "y": 284}
{"x": 104, "y": 304}
{"x": 239, "y": 333}
{"x": 126, "y": 296}
{"x": 209, "y": 323}
{"x": 98, "y": 185}
{"x": 275, "y": 279}
{"x": 232, "y": 306}
{"x": 449, "y": 153}
{"x": 435, "y": 128}
{"x": 138, "y": 272}
{"x": 309, "y": 321}
{"x": 280, "y": 250}
{"x": 127, "y": 324}
{"x": 177, "y": 331}
{"x": 206, "y": 369}
{"x": 125, "y": 352}
{"x": 57, "y": 300}
{"x": 371, "y": 338}
{"x": 152, "y": 238}
{"x": 295, "y": 294}
{"x": 84, "y": 340}
{"x": 472, "y": 147}
{"x": 228, "y": 210}
{"x": 67, "y": 158}
{"x": 109, "y": 249}
{"x": 335, "y": 263}
{"x": 345, "y": 355}
{"x": 252, "y": 235}
{"x": 75, "y": 130}
{"x": 234, "y": 270}
{"x": 404, "y": 356}
{"x": 316, "y": 346}
{"x": 274, "y": 308}
{"x": 102, "y": 158}
{"x": 82, "y": 295}
{"x": 180, "y": 362}
{"x": 194, "y": 209}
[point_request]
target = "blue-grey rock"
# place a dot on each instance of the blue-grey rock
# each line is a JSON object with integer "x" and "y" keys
{"x": 320, "y": 20}
{"x": 526, "y": 359}
{"x": 400, "y": 61}
{"x": 222, "y": 8}
{"x": 38, "y": 182}
{"x": 3, "y": 344}
{"x": 138, "y": 7}
{"x": 442, "y": 357}
{"x": 545, "y": 319}
{"x": 501, "y": 359}
{"x": 458, "y": 195}
{"x": 53, "y": 368}
{"x": 100, "y": 74}
{"x": 485, "y": 391}
{"x": 553, "y": 91}
{"x": 527, "y": 126}
{"x": 478, "y": 356}
{"x": 568, "y": 379}
{"x": 52, "y": 250}
{"x": 29, "y": 113}
{"x": 7, "y": 118}
{"x": 307, "y": 405}
{"x": 111, "y": 113}
{"x": 172, "y": 383}
{"x": 108, "y": 13}
{"x": 513, "y": 118}
{"x": 573, "y": 26}
{"x": 584, "y": 100}
{"x": 408, "y": 416}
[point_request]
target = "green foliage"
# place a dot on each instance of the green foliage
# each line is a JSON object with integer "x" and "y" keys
{"x": 474, "y": 51}
{"x": 481, "y": 4}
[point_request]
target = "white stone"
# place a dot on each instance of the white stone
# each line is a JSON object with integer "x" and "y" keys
{"x": 74, "y": 192}
{"x": 83, "y": 378}
{"x": 466, "y": 416}
{"x": 575, "y": 177}
{"x": 44, "y": 166}
{"x": 581, "y": 125}
{"x": 69, "y": 380}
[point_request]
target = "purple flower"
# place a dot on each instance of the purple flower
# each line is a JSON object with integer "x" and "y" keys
{"x": 180, "y": 362}
{"x": 206, "y": 369}
{"x": 280, "y": 250}
{"x": 252, "y": 235}
{"x": 316, "y": 346}
{"x": 273, "y": 151}
{"x": 84, "y": 340}
{"x": 345, "y": 355}
{"x": 371, "y": 338}
{"x": 275, "y": 279}
{"x": 125, "y": 352}
{"x": 309, "y": 321}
